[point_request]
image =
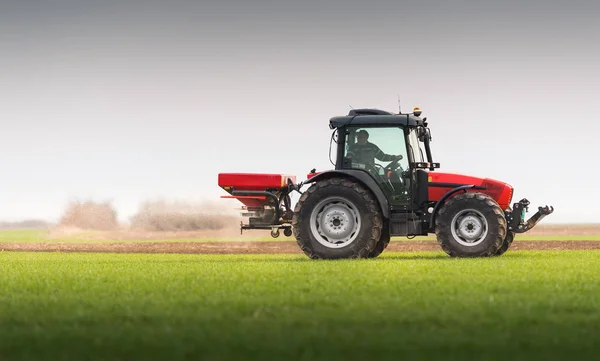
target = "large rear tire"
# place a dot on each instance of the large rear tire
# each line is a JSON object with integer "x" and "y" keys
{"x": 337, "y": 218}
{"x": 470, "y": 225}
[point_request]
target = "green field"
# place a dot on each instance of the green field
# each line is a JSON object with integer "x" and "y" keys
{"x": 412, "y": 306}
{"x": 260, "y": 236}
{"x": 22, "y": 236}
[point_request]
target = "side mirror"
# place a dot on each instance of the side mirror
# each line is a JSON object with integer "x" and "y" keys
{"x": 422, "y": 133}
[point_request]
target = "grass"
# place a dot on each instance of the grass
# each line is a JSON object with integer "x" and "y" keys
{"x": 261, "y": 236}
{"x": 414, "y": 306}
{"x": 22, "y": 235}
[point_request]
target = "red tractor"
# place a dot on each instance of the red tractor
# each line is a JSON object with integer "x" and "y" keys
{"x": 384, "y": 185}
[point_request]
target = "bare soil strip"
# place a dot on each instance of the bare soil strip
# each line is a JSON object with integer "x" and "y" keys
{"x": 259, "y": 247}
{"x": 232, "y": 233}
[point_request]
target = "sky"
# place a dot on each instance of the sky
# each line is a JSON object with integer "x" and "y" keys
{"x": 126, "y": 101}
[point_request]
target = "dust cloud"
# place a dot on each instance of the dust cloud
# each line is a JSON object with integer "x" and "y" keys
{"x": 90, "y": 215}
{"x": 155, "y": 220}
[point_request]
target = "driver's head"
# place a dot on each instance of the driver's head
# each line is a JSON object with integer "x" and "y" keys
{"x": 362, "y": 136}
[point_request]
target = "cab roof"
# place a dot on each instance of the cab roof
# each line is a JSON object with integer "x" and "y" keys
{"x": 374, "y": 117}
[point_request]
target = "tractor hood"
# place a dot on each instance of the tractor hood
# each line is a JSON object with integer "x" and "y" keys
{"x": 440, "y": 183}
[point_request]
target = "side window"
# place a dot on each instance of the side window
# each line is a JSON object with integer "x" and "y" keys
{"x": 374, "y": 149}
{"x": 382, "y": 153}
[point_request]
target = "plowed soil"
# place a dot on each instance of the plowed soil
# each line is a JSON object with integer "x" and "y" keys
{"x": 239, "y": 247}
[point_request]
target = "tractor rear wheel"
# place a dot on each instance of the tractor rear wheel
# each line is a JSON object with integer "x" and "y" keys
{"x": 337, "y": 218}
{"x": 470, "y": 225}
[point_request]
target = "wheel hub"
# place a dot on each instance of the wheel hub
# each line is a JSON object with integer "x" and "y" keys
{"x": 335, "y": 222}
{"x": 469, "y": 227}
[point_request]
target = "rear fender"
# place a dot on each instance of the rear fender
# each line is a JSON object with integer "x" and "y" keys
{"x": 361, "y": 177}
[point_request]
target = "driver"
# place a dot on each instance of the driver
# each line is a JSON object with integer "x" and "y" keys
{"x": 367, "y": 152}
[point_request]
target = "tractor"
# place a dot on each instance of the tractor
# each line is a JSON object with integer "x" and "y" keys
{"x": 385, "y": 184}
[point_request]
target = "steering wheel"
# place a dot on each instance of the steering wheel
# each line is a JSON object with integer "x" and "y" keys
{"x": 378, "y": 166}
{"x": 376, "y": 169}
{"x": 393, "y": 166}
{"x": 391, "y": 171}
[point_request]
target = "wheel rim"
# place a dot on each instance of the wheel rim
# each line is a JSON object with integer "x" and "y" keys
{"x": 335, "y": 222}
{"x": 469, "y": 227}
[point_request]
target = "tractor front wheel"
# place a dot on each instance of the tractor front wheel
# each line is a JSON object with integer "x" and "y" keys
{"x": 508, "y": 240}
{"x": 383, "y": 242}
{"x": 471, "y": 225}
{"x": 337, "y": 218}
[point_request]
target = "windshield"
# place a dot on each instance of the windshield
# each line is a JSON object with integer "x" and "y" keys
{"x": 414, "y": 146}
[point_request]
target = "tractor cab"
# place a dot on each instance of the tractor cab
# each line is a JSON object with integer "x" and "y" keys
{"x": 389, "y": 147}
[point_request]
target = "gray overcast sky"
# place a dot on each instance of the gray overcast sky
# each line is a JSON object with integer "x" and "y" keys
{"x": 131, "y": 100}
